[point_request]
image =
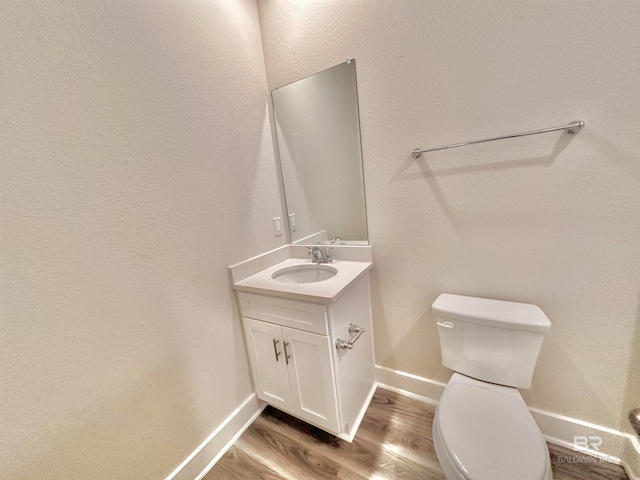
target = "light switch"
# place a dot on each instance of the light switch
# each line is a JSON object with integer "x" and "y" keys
{"x": 292, "y": 222}
{"x": 277, "y": 226}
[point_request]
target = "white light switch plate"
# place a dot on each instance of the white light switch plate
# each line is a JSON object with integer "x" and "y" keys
{"x": 277, "y": 226}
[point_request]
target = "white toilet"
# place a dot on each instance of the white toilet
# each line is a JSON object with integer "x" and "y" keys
{"x": 482, "y": 428}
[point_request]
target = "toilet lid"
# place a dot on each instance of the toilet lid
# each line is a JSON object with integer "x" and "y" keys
{"x": 490, "y": 435}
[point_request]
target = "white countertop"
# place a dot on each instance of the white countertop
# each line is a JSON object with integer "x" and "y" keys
{"x": 324, "y": 291}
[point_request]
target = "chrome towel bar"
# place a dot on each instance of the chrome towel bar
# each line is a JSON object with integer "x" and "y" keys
{"x": 572, "y": 128}
{"x": 348, "y": 344}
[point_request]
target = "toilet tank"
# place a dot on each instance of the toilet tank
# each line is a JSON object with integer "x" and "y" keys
{"x": 491, "y": 340}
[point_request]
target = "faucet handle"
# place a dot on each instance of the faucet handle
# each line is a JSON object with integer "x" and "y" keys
{"x": 316, "y": 255}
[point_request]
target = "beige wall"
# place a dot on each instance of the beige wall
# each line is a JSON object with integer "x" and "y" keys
{"x": 136, "y": 164}
{"x": 550, "y": 219}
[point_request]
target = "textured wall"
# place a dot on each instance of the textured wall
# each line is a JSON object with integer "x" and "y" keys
{"x": 550, "y": 219}
{"x": 136, "y": 164}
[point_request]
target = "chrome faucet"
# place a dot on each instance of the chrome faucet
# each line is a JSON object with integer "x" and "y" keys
{"x": 317, "y": 256}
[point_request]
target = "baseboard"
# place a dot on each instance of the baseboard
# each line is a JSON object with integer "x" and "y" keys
{"x": 617, "y": 447}
{"x": 203, "y": 458}
{"x": 412, "y": 385}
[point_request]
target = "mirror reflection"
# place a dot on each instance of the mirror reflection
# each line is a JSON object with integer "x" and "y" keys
{"x": 318, "y": 131}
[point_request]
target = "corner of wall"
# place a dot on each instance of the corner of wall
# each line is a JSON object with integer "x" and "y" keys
{"x": 205, "y": 456}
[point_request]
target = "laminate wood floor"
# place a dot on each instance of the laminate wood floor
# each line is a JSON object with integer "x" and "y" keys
{"x": 393, "y": 442}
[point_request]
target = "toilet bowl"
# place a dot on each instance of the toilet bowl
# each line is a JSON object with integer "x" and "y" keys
{"x": 482, "y": 428}
{"x": 483, "y": 431}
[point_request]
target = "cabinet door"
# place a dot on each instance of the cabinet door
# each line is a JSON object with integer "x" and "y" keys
{"x": 268, "y": 365}
{"x": 311, "y": 375}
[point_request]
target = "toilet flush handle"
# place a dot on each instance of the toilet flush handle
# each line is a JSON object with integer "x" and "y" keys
{"x": 446, "y": 324}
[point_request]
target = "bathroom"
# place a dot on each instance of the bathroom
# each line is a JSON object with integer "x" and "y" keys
{"x": 138, "y": 163}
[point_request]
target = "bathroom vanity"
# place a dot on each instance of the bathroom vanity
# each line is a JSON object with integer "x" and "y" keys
{"x": 307, "y": 326}
{"x": 310, "y": 344}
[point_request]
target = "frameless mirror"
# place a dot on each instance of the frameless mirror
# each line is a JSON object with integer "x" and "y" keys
{"x": 318, "y": 132}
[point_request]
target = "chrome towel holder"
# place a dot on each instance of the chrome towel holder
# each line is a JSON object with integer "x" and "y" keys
{"x": 348, "y": 344}
{"x": 572, "y": 128}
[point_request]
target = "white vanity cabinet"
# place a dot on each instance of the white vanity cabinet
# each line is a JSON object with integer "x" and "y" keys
{"x": 296, "y": 365}
{"x": 292, "y": 371}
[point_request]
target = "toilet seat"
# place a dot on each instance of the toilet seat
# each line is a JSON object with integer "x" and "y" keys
{"x": 478, "y": 422}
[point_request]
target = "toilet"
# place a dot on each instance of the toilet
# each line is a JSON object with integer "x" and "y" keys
{"x": 482, "y": 429}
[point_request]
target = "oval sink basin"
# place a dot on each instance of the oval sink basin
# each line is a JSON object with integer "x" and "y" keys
{"x": 304, "y": 274}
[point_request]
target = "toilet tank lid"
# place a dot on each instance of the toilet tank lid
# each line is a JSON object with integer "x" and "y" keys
{"x": 496, "y": 313}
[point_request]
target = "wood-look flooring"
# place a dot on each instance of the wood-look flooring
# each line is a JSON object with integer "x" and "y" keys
{"x": 393, "y": 442}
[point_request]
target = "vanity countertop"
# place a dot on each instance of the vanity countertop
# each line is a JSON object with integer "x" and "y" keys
{"x": 325, "y": 291}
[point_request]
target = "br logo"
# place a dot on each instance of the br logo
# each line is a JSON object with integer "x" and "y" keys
{"x": 592, "y": 442}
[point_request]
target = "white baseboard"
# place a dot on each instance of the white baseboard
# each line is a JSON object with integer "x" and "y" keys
{"x": 203, "y": 458}
{"x": 412, "y": 385}
{"x": 618, "y": 447}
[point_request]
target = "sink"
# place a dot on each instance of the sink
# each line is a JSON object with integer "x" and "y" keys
{"x": 304, "y": 274}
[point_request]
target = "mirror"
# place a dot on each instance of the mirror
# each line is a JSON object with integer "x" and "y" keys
{"x": 318, "y": 132}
